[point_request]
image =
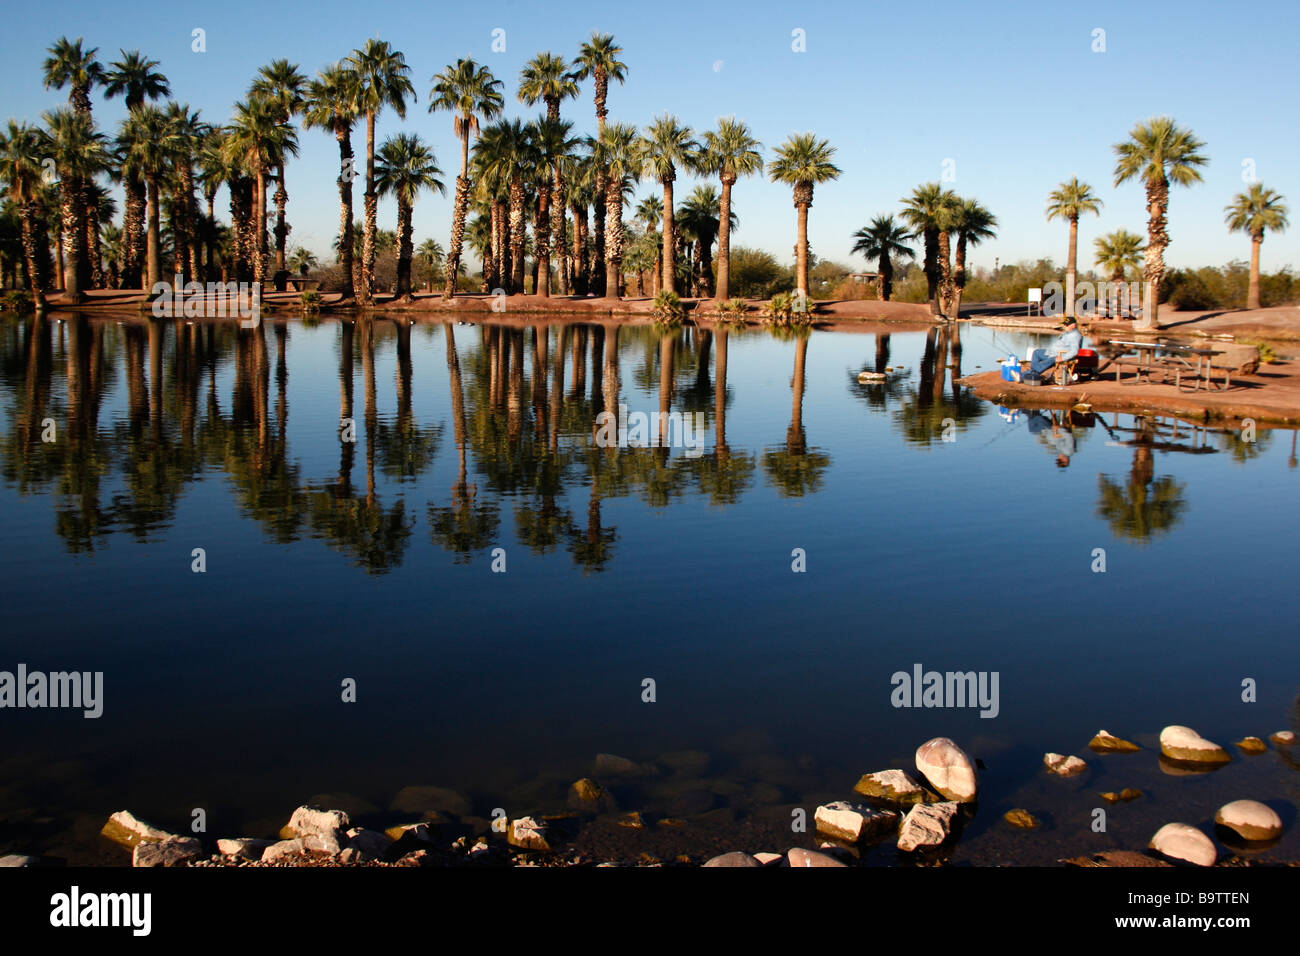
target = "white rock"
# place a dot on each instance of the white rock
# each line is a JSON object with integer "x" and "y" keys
{"x": 1283, "y": 738}
{"x": 326, "y": 843}
{"x": 309, "y": 820}
{"x": 852, "y": 822}
{"x": 948, "y": 769}
{"x": 799, "y": 857}
{"x": 1178, "y": 841}
{"x": 891, "y": 786}
{"x": 734, "y": 859}
{"x": 768, "y": 859}
{"x": 926, "y": 824}
{"x": 245, "y": 847}
{"x": 17, "y": 859}
{"x": 128, "y": 830}
{"x": 175, "y": 851}
{"x": 285, "y": 849}
{"x": 1182, "y": 743}
{"x": 1250, "y": 819}
{"x": 528, "y": 833}
{"x": 1064, "y": 766}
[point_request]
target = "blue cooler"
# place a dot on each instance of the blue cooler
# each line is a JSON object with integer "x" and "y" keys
{"x": 1011, "y": 370}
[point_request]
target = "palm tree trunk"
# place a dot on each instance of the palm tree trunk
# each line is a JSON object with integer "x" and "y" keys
{"x": 73, "y": 216}
{"x": 959, "y": 276}
{"x": 404, "y": 249}
{"x": 669, "y": 238}
{"x": 801, "y": 251}
{"x": 946, "y": 290}
{"x": 95, "y": 262}
{"x": 344, "y": 138}
{"x": 281, "y": 229}
{"x": 133, "y": 229}
{"x": 259, "y": 225}
{"x": 1252, "y": 293}
{"x": 153, "y": 262}
{"x": 613, "y": 237}
{"x": 931, "y": 268}
{"x": 371, "y": 210}
{"x": 724, "y": 241}
{"x": 1157, "y": 239}
{"x": 596, "y": 271}
{"x": 1071, "y": 259}
{"x": 885, "y": 283}
{"x": 542, "y": 241}
{"x": 30, "y": 223}
{"x": 517, "y": 234}
{"x": 558, "y": 229}
{"x": 459, "y": 213}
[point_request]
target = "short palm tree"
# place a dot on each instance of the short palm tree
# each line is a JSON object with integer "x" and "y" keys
{"x": 1252, "y": 212}
{"x": 302, "y": 260}
{"x": 79, "y": 154}
{"x": 134, "y": 78}
{"x": 928, "y": 211}
{"x": 651, "y": 212}
{"x": 1158, "y": 152}
{"x": 333, "y": 104}
{"x": 1069, "y": 201}
{"x": 618, "y": 154}
{"x": 729, "y": 152}
{"x": 470, "y": 93}
{"x": 406, "y": 166}
{"x": 802, "y": 162}
{"x": 382, "y": 81}
{"x": 22, "y": 148}
{"x": 699, "y": 220}
{"x": 665, "y": 147}
{"x": 509, "y": 156}
{"x": 1117, "y": 252}
{"x": 598, "y": 58}
{"x": 280, "y": 84}
{"x": 431, "y": 253}
{"x": 884, "y": 240}
{"x": 972, "y": 224}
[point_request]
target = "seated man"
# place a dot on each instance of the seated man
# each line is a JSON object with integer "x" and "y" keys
{"x": 1065, "y": 347}
{"x": 1058, "y": 437}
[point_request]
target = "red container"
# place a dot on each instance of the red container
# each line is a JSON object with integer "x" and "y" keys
{"x": 1087, "y": 358}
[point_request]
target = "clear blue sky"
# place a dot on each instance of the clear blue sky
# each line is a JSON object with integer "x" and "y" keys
{"x": 1012, "y": 93}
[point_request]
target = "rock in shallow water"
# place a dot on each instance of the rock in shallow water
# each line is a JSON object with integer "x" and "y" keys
{"x": 1021, "y": 819}
{"x": 802, "y": 858}
{"x": 127, "y": 830}
{"x": 311, "y": 821}
{"x": 244, "y": 847}
{"x": 427, "y": 800}
{"x": 284, "y": 850}
{"x": 1250, "y": 819}
{"x": 852, "y": 822}
{"x": 892, "y": 786}
{"x": 1064, "y": 766}
{"x": 734, "y": 859}
{"x": 948, "y": 769}
{"x": 1182, "y": 743}
{"x": 1251, "y": 745}
{"x": 174, "y": 851}
{"x": 927, "y": 824}
{"x": 17, "y": 860}
{"x": 528, "y": 833}
{"x": 1106, "y": 742}
{"x": 1283, "y": 738}
{"x": 1178, "y": 841}
{"x": 587, "y": 796}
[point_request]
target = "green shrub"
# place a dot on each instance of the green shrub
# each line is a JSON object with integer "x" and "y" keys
{"x": 18, "y": 301}
{"x": 310, "y": 300}
{"x": 668, "y": 305}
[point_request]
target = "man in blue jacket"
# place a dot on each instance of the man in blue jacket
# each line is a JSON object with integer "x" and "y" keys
{"x": 1065, "y": 347}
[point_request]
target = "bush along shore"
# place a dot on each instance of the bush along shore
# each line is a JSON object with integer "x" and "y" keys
{"x": 921, "y": 810}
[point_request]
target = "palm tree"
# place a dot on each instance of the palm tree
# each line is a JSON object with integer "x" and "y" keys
{"x": 79, "y": 154}
{"x": 1117, "y": 252}
{"x": 1252, "y": 212}
{"x": 729, "y": 152}
{"x": 651, "y": 212}
{"x": 280, "y": 84}
{"x": 928, "y": 211}
{"x": 259, "y": 139}
{"x": 509, "y": 157}
{"x": 1069, "y": 201}
{"x": 883, "y": 240}
{"x": 546, "y": 78}
{"x": 580, "y": 187}
{"x": 333, "y": 104}
{"x": 618, "y": 154}
{"x": 406, "y": 166}
{"x": 430, "y": 252}
{"x": 699, "y": 220}
{"x": 471, "y": 93}
{"x": 382, "y": 81}
{"x": 134, "y": 78}
{"x": 302, "y": 261}
{"x": 186, "y": 133}
{"x": 802, "y": 161}
{"x": 22, "y": 148}
{"x": 553, "y": 144}
{"x": 1158, "y": 151}
{"x": 666, "y": 145}
{"x": 598, "y": 58}
{"x": 68, "y": 64}
{"x": 972, "y": 224}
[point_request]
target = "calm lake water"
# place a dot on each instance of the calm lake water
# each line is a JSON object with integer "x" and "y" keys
{"x": 373, "y": 560}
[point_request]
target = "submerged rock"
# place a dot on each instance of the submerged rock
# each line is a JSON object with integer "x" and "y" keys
{"x": 1178, "y": 841}
{"x": 174, "y": 851}
{"x": 1118, "y": 858}
{"x": 127, "y": 830}
{"x": 800, "y": 857}
{"x": 1021, "y": 819}
{"x": 1251, "y": 745}
{"x": 692, "y": 763}
{"x": 17, "y": 860}
{"x": 587, "y": 796}
{"x": 1064, "y": 766}
{"x": 948, "y": 769}
{"x": 1182, "y": 743}
{"x": 284, "y": 850}
{"x": 311, "y": 821}
{"x": 611, "y": 765}
{"x": 926, "y": 824}
{"x": 734, "y": 859}
{"x": 425, "y": 800}
{"x": 1106, "y": 742}
{"x": 1250, "y": 820}
{"x": 852, "y": 822}
{"x": 897, "y": 787}
{"x": 1127, "y": 794}
{"x": 528, "y": 833}
{"x": 245, "y": 847}
{"x": 1283, "y": 738}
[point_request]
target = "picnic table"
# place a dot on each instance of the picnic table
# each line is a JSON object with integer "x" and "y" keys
{"x": 1168, "y": 357}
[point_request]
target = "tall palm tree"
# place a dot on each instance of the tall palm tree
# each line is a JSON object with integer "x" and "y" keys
{"x": 68, "y": 64}
{"x": 928, "y": 211}
{"x": 883, "y": 240}
{"x": 134, "y": 78}
{"x": 216, "y": 168}
{"x": 1157, "y": 152}
{"x": 470, "y": 93}
{"x": 332, "y": 104}
{"x": 651, "y": 212}
{"x": 382, "y": 81}
{"x": 802, "y": 161}
{"x": 281, "y": 85}
{"x": 553, "y": 144}
{"x": 729, "y": 152}
{"x": 580, "y": 187}
{"x": 1252, "y": 212}
{"x": 1069, "y": 201}
{"x": 509, "y": 157}
{"x": 546, "y": 78}
{"x": 972, "y": 224}
{"x": 186, "y": 133}
{"x": 618, "y": 154}
{"x": 22, "y": 148}
{"x": 665, "y": 146}
{"x": 79, "y": 154}
{"x": 259, "y": 139}
{"x": 406, "y": 166}
{"x": 598, "y": 58}
{"x": 1117, "y": 252}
